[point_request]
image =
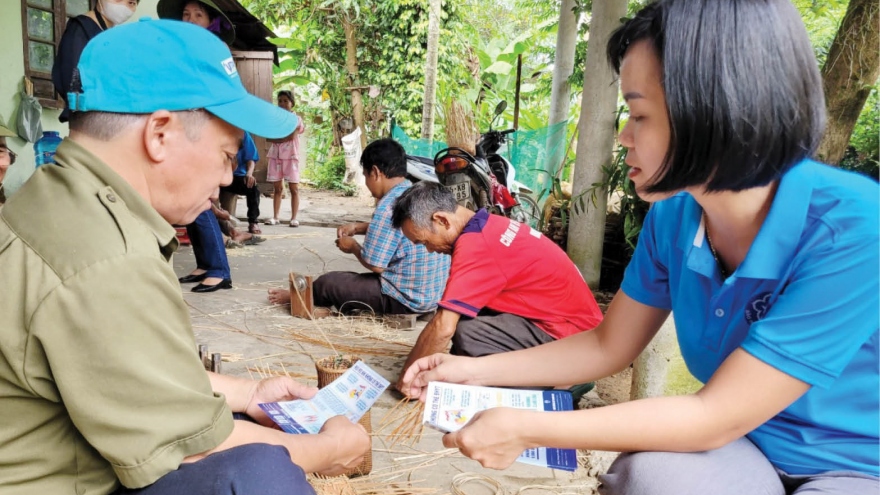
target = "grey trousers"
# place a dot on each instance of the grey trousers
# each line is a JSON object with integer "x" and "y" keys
{"x": 493, "y": 333}
{"x": 350, "y": 291}
{"x": 738, "y": 468}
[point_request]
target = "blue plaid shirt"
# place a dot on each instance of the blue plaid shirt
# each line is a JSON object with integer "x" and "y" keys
{"x": 411, "y": 274}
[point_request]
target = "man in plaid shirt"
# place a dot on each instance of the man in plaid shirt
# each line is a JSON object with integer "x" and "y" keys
{"x": 403, "y": 278}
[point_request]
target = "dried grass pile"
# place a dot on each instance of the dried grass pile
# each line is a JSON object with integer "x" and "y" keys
{"x": 461, "y": 126}
{"x": 262, "y": 370}
{"x": 361, "y": 335}
{"x": 365, "y": 485}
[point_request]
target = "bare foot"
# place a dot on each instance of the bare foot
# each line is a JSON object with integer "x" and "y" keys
{"x": 279, "y": 296}
{"x": 321, "y": 312}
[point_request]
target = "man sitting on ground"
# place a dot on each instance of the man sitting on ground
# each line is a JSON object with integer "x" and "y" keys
{"x": 509, "y": 287}
{"x": 404, "y": 278}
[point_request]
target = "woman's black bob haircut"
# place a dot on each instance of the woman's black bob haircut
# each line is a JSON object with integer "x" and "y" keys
{"x": 742, "y": 89}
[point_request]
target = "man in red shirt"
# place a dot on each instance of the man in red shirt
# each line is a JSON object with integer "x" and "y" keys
{"x": 509, "y": 287}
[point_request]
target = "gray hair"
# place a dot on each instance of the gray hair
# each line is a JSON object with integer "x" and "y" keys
{"x": 419, "y": 203}
{"x": 105, "y": 126}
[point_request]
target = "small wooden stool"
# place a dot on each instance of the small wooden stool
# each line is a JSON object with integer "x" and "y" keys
{"x": 302, "y": 303}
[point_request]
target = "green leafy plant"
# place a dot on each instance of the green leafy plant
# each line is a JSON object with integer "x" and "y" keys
{"x": 330, "y": 174}
{"x": 863, "y": 153}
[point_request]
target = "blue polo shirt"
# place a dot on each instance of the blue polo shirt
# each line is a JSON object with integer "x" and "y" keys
{"x": 805, "y": 300}
{"x": 246, "y": 152}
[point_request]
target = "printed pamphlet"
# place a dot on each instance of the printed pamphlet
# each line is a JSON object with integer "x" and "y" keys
{"x": 351, "y": 395}
{"x": 449, "y": 406}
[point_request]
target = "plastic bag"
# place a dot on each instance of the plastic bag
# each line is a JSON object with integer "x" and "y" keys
{"x": 29, "y": 123}
{"x": 354, "y": 175}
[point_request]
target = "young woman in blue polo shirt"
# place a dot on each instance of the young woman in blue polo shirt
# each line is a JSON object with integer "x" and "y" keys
{"x": 767, "y": 260}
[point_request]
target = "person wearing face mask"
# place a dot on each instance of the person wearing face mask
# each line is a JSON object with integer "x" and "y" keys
{"x": 79, "y": 31}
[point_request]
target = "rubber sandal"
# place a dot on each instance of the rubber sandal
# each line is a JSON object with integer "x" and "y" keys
{"x": 272, "y": 221}
{"x": 294, "y": 223}
{"x": 254, "y": 228}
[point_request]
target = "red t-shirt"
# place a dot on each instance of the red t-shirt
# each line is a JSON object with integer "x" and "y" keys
{"x": 510, "y": 267}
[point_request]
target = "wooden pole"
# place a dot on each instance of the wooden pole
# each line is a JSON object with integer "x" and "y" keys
{"x": 351, "y": 65}
{"x": 516, "y": 98}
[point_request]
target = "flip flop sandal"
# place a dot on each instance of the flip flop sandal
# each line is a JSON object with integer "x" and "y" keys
{"x": 254, "y": 229}
{"x": 272, "y": 221}
{"x": 294, "y": 223}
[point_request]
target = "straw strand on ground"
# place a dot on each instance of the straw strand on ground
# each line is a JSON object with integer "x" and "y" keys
{"x": 409, "y": 422}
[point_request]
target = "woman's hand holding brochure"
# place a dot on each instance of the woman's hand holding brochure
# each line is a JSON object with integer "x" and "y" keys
{"x": 494, "y": 437}
{"x": 439, "y": 367}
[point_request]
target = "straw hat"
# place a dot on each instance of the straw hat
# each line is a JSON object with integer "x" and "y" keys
{"x": 173, "y": 9}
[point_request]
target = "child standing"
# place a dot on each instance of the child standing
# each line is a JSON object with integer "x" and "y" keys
{"x": 284, "y": 161}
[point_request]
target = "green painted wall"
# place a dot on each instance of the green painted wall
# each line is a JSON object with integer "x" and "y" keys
{"x": 12, "y": 63}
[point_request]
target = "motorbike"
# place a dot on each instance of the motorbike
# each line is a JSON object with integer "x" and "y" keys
{"x": 485, "y": 180}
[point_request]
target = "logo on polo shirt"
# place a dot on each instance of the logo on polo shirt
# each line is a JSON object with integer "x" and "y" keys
{"x": 757, "y": 308}
{"x": 509, "y": 234}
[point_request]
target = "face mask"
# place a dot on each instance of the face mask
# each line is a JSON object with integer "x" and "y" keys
{"x": 116, "y": 13}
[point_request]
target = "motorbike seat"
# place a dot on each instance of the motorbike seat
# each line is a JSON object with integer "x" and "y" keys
{"x": 422, "y": 159}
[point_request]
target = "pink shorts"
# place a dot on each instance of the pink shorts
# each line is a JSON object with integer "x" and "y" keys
{"x": 284, "y": 162}
{"x": 280, "y": 168}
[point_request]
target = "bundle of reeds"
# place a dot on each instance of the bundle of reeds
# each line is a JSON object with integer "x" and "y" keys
{"x": 461, "y": 126}
{"x": 406, "y": 416}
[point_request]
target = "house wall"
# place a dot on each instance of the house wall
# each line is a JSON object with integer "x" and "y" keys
{"x": 11, "y": 76}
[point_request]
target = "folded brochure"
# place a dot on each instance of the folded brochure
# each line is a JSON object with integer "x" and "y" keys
{"x": 351, "y": 395}
{"x": 449, "y": 406}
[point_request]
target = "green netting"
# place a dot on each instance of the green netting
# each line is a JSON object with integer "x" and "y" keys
{"x": 537, "y": 151}
{"x": 531, "y": 152}
{"x": 417, "y": 147}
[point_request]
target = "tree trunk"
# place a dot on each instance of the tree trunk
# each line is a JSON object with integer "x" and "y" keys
{"x": 851, "y": 69}
{"x": 431, "y": 70}
{"x": 563, "y": 67}
{"x": 357, "y": 103}
{"x": 586, "y": 231}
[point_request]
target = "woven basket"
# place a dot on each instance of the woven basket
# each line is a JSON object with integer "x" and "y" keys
{"x": 327, "y": 372}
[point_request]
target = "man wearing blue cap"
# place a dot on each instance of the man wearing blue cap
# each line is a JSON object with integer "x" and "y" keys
{"x": 100, "y": 384}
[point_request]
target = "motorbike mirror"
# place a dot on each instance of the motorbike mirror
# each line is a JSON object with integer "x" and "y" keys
{"x": 500, "y": 108}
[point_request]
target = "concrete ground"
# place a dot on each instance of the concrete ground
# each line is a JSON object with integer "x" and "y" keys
{"x": 258, "y": 338}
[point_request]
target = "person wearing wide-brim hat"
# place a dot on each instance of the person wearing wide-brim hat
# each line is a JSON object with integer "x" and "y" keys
{"x": 212, "y": 266}
{"x": 204, "y": 13}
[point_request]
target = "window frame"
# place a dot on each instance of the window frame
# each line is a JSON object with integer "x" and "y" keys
{"x": 60, "y": 19}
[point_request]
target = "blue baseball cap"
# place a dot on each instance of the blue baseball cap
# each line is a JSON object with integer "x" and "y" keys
{"x": 150, "y": 65}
